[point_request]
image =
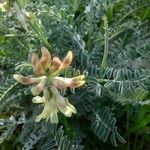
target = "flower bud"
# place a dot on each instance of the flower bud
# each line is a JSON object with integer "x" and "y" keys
{"x": 34, "y": 59}
{"x": 38, "y": 68}
{"x": 46, "y": 57}
{"x": 67, "y": 61}
{"x": 61, "y": 82}
{"x": 24, "y": 80}
{"x": 77, "y": 81}
{"x": 56, "y": 61}
{"x": 56, "y": 64}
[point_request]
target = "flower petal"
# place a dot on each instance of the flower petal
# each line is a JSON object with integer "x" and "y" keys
{"x": 62, "y": 103}
{"x": 34, "y": 59}
{"x": 24, "y": 80}
{"x": 38, "y": 99}
{"x": 77, "y": 81}
{"x": 54, "y": 116}
{"x": 36, "y": 90}
{"x": 67, "y": 61}
{"x": 65, "y": 107}
{"x": 61, "y": 82}
{"x": 56, "y": 61}
{"x": 46, "y": 57}
{"x": 56, "y": 64}
{"x": 49, "y": 112}
{"x": 37, "y": 67}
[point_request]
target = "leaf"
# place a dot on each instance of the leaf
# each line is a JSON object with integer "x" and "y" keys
{"x": 94, "y": 87}
{"x": 104, "y": 126}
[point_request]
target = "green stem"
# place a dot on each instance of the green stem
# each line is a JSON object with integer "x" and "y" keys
{"x": 76, "y": 5}
{"x": 66, "y": 126}
{"x": 37, "y": 28}
{"x": 104, "y": 61}
{"x": 34, "y": 24}
{"x": 90, "y": 31}
{"x": 20, "y": 3}
{"x": 127, "y": 126}
{"x": 135, "y": 142}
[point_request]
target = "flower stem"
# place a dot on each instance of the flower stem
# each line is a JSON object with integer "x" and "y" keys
{"x": 104, "y": 61}
{"x": 37, "y": 28}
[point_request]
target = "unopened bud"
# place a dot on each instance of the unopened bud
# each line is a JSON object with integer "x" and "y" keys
{"x": 67, "y": 61}
{"x": 38, "y": 68}
{"x": 56, "y": 61}
{"x": 46, "y": 57}
{"x": 75, "y": 82}
{"x": 34, "y": 58}
{"x": 56, "y": 64}
{"x": 23, "y": 80}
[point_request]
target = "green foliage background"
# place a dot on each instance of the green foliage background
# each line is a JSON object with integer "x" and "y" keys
{"x": 110, "y": 40}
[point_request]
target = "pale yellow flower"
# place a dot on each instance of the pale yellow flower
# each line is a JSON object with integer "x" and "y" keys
{"x": 36, "y": 90}
{"x": 46, "y": 70}
{"x": 27, "y": 80}
{"x": 49, "y": 111}
{"x": 62, "y": 103}
{"x": 61, "y": 82}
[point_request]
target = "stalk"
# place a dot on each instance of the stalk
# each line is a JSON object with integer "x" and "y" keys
{"x": 127, "y": 126}
{"x": 104, "y": 61}
{"x": 37, "y": 28}
{"x": 90, "y": 30}
{"x": 33, "y": 21}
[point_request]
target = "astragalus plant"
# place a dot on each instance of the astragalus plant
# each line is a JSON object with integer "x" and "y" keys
{"x": 74, "y": 74}
{"x": 47, "y": 81}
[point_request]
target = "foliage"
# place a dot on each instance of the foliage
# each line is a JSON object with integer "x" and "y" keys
{"x": 110, "y": 41}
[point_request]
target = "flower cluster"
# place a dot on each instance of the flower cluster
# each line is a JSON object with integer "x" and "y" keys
{"x": 47, "y": 81}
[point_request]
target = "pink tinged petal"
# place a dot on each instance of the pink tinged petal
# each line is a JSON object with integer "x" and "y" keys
{"x": 68, "y": 58}
{"x": 43, "y": 60}
{"x": 34, "y": 59}
{"x": 36, "y": 90}
{"x": 56, "y": 64}
{"x": 37, "y": 67}
{"x": 67, "y": 61}
{"x": 46, "y": 57}
{"x": 24, "y": 80}
{"x": 61, "y": 82}
{"x": 56, "y": 61}
{"x": 75, "y": 82}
